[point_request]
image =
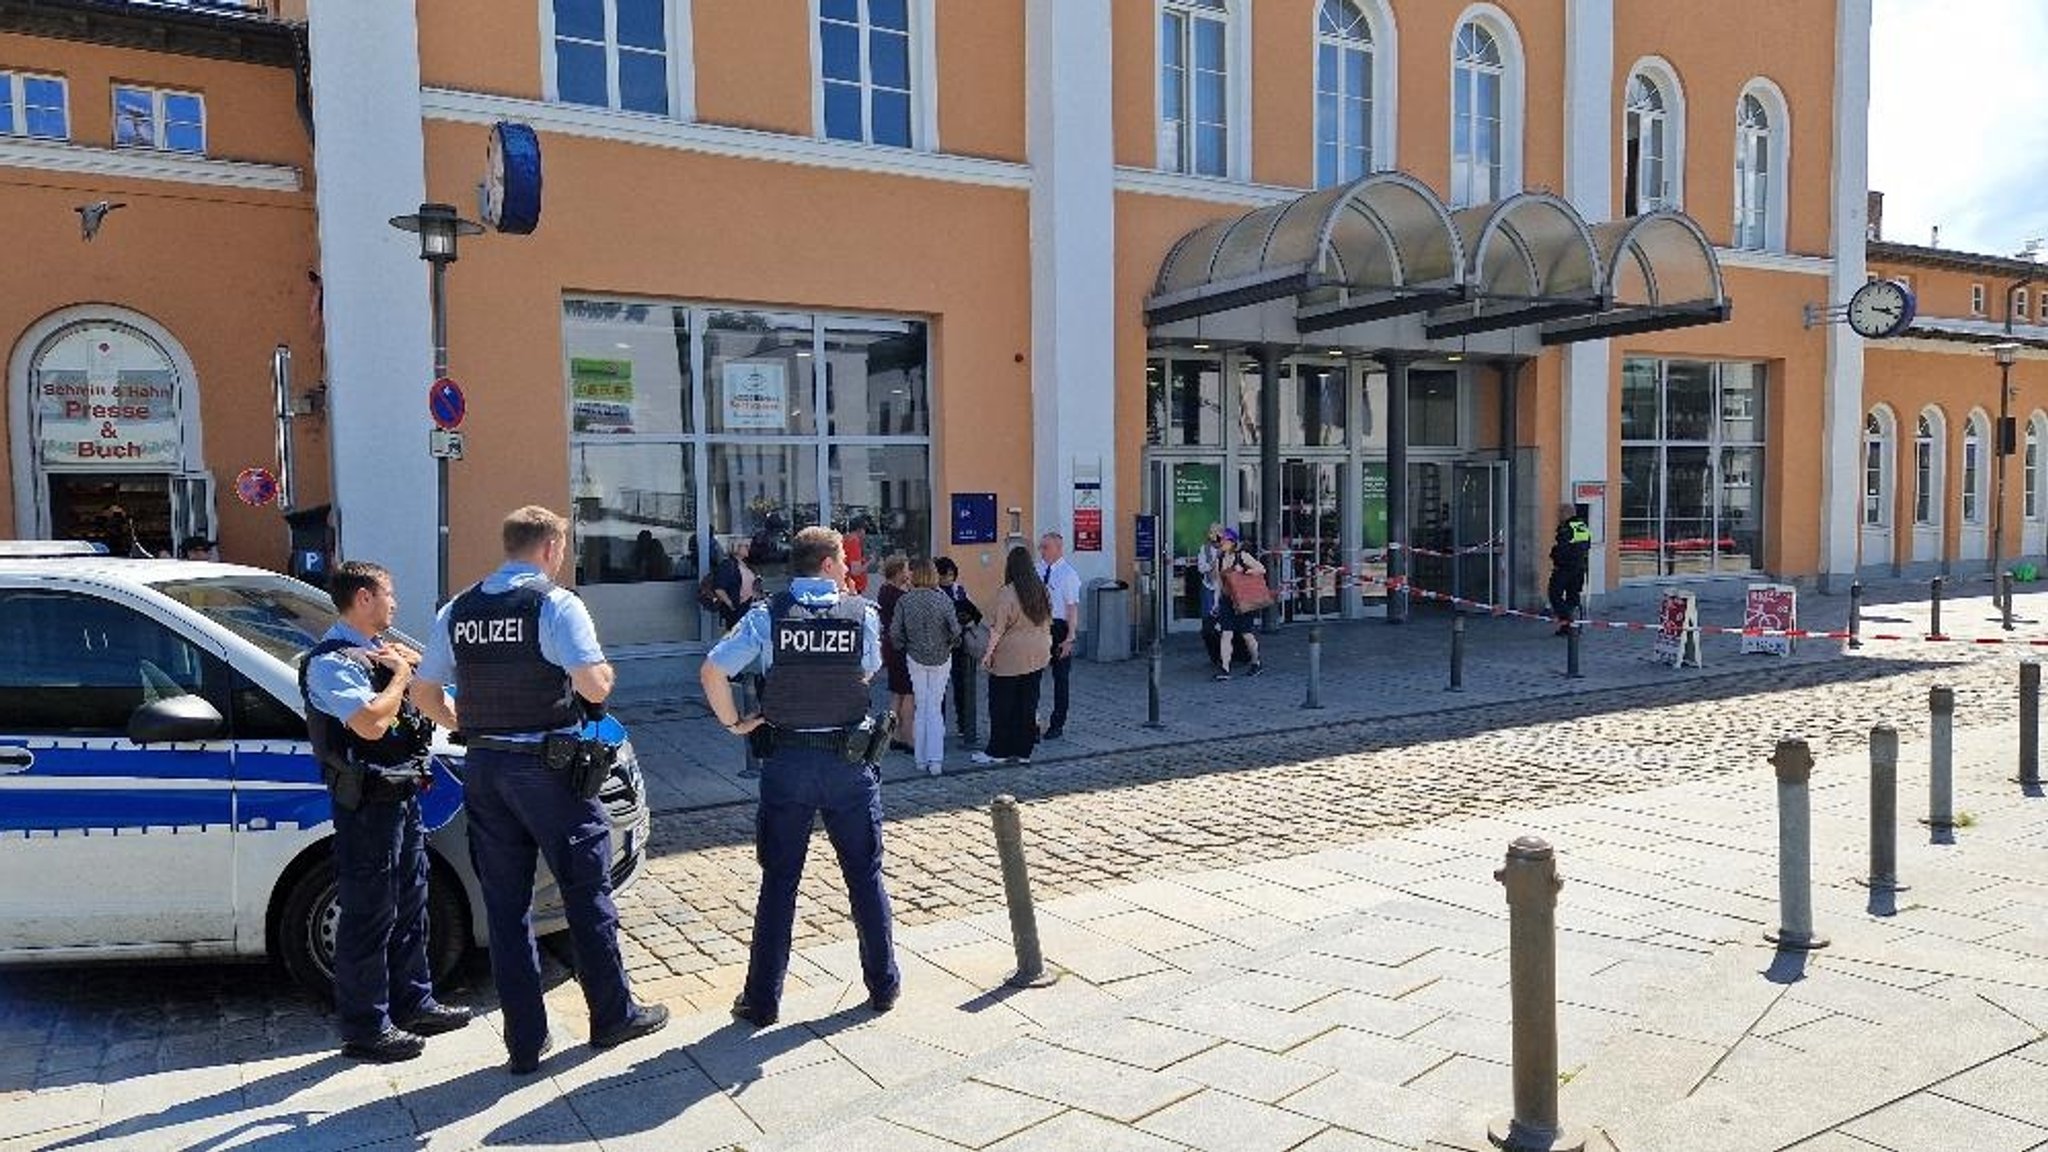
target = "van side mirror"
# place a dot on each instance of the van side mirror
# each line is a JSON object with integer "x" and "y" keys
{"x": 176, "y": 720}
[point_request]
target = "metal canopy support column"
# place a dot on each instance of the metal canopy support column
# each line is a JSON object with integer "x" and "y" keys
{"x": 1398, "y": 566}
{"x": 1510, "y": 385}
{"x": 1269, "y": 467}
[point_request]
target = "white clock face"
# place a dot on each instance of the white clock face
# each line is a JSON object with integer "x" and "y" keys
{"x": 494, "y": 181}
{"x": 1878, "y": 309}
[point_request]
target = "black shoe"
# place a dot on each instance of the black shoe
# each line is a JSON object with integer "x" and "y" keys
{"x": 746, "y": 1013}
{"x": 393, "y": 1046}
{"x": 1220, "y": 677}
{"x": 645, "y": 1020}
{"x": 435, "y": 1019}
{"x": 528, "y": 1065}
{"x": 1054, "y": 734}
{"x": 900, "y": 746}
{"x": 883, "y": 1001}
{"x": 1256, "y": 668}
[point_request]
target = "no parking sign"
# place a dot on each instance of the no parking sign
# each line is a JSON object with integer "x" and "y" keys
{"x": 446, "y": 404}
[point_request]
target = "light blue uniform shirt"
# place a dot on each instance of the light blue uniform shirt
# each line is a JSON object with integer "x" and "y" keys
{"x": 750, "y": 646}
{"x": 568, "y": 637}
{"x": 336, "y": 684}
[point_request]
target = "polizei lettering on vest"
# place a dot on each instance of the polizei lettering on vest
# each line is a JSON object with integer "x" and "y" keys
{"x": 504, "y": 630}
{"x": 819, "y": 641}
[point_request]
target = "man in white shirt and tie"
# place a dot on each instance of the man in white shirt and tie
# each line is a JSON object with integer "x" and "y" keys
{"x": 1063, "y": 584}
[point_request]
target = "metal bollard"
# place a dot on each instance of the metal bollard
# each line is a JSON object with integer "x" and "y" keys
{"x": 1934, "y": 588}
{"x": 2005, "y": 600}
{"x": 1571, "y": 652}
{"x": 1315, "y": 668}
{"x": 1031, "y": 969}
{"x": 1941, "y": 765}
{"x": 1794, "y": 762}
{"x": 1152, "y": 674}
{"x": 1856, "y": 614}
{"x": 1458, "y": 653}
{"x": 1530, "y": 876}
{"x": 1884, "y": 811}
{"x": 2029, "y": 778}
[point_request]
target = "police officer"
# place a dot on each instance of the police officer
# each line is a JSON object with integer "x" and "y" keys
{"x": 1571, "y": 556}
{"x": 372, "y": 746}
{"x": 818, "y": 648}
{"x": 524, "y": 657}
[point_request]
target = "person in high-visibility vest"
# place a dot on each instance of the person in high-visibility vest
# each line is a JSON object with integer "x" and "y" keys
{"x": 1571, "y": 556}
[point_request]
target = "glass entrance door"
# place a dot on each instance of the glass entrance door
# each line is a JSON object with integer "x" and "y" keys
{"x": 1430, "y": 526}
{"x": 1190, "y": 493}
{"x": 1311, "y": 532}
{"x": 1480, "y": 522}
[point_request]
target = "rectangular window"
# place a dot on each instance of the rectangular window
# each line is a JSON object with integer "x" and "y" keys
{"x": 1184, "y": 403}
{"x": 695, "y": 445}
{"x": 1432, "y": 408}
{"x": 1873, "y": 482}
{"x": 1693, "y": 460}
{"x": 34, "y": 106}
{"x": 865, "y": 66}
{"x": 1194, "y": 88}
{"x": 2019, "y": 304}
{"x": 2030, "y": 473}
{"x": 160, "y": 118}
{"x": 1976, "y": 299}
{"x": 612, "y": 54}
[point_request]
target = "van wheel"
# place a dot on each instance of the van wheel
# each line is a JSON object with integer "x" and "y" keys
{"x": 307, "y": 923}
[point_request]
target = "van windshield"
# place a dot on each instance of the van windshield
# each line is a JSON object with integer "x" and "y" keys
{"x": 282, "y": 616}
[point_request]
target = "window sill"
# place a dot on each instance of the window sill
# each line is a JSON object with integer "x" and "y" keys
{"x": 1211, "y": 189}
{"x": 743, "y": 143}
{"x": 146, "y": 164}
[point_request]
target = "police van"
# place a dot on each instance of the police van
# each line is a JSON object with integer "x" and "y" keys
{"x": 158, "y": 797}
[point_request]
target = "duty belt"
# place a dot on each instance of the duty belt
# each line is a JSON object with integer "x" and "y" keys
{"x": 833, "y": 739}
{"x": 505, "y": 744}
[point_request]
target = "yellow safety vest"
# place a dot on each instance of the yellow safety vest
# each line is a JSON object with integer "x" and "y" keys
{"x": 1581, "y": 534}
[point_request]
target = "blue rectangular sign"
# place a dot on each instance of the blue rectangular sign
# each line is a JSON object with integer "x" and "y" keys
{"x": 1148, "y": 538}
{"x": 974, "y": 517}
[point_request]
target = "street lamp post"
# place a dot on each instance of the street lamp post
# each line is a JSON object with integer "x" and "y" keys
{"x": 439, "y": 228}
{"x": 2005, "y": 353}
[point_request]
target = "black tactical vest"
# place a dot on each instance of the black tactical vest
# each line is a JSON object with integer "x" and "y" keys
{"x": 815, "y": 678}
{"x": 503, "y": 685}
{"x": 335, "y": 743}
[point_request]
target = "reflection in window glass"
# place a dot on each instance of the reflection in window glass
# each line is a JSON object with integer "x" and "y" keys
{"x": 864, "y": 55}
{"x": 875, "y": 378}
{"x": 43, "y": 104}
{"x": 134, "y": 118}
{"x": 612, "y": 54}
{"x": 635, "y": 549}
{"x": 1432, "y": 408}
{"x": 1184, "y": 402}
{"x": 1639, "y": 400}
{"x": 629, "y": 367}
{"x": 1313, "y": 403}
{"x": 1692, "y": 493}
{"x": 886, "y": 491}
{"x": 759, "y": 370}
{"x": 78, "y": 664}
{"x": 760, "y": 495}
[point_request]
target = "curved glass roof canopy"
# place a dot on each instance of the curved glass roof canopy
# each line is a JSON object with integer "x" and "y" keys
{"x": 1383, "y": 263}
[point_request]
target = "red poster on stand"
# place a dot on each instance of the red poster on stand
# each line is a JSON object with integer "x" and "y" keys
{"x": 1770, "y": 608}
{"x": 1087, "y": 529}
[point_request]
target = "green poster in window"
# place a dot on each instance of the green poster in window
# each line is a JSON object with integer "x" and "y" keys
{"x": 1197, "y": 503}
{"x": 601, "y": 394}
{"x": 1373, "y": 527}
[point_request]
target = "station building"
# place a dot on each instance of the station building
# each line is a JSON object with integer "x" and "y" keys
{"x": 1343, "y": 274}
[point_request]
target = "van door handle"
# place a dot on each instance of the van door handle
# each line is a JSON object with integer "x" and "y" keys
{"x": 14, "y": 760}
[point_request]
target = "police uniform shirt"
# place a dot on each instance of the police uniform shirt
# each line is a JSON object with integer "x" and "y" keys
{"x": 568, "y": 637}
{"x": 338, "y": 685}
{"x": 750, "y": 645}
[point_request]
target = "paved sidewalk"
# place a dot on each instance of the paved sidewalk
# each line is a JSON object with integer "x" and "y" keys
{"x": 1351, "y": 998}
{"x": 1371, "y": 670}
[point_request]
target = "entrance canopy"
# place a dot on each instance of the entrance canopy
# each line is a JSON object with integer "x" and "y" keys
{"x": 1382, "y": 263}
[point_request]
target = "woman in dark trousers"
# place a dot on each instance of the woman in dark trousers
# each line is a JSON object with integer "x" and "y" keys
{"x": 966, "y": 677}
{"x": 1019, "y": 648}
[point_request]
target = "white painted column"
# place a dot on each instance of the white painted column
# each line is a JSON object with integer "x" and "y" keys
{"x": 1587, "y": 437}
{"x": 1073, "y": 268}
{"x": 369, "y": 160}
{"x": 1841, "y": 483}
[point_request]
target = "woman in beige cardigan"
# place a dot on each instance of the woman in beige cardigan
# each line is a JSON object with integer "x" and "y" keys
{"x": 1019, "y": 648}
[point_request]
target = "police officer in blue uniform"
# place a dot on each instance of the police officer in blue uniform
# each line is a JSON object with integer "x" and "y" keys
{"x": 818, "y": 647}
{"x": 372, "y": 746}
{"x": 524, "y": 658}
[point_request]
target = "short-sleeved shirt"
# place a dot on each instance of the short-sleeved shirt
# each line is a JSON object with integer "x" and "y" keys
{"x": 749, "y": 646}
{"x": 336, "y": 684}
{"x": 1063, "y": 584}
{"x": 568, "y": 637}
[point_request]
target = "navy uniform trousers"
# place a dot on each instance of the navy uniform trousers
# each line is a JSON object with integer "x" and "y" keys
{"x": 796, "y": 785}
{"x": 380, "y": 942}
{"x": 520, "y": 811}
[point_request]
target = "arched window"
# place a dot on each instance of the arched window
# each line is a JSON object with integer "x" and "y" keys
{"x": 1927, "y": 469}
{"x": 1973, "y": 469}
{"x": 1479, "y": 127}
{"x": 1761, "y": 134}
{"x": 2030, "y": 469}
{"x": 1653, "y": 132}
{"x": 1344, "y": 93}
{"x": 1877, "y": 469}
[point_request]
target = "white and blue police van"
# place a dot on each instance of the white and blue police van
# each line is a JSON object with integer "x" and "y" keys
{"x": 158, "y": 797}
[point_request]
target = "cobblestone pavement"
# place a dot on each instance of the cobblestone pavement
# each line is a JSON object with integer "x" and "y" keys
{"x": 1092, "y": 823}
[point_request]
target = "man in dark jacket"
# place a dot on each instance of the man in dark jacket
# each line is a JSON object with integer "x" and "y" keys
{"x": 1571, "y": 555}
